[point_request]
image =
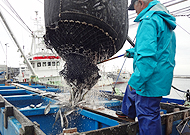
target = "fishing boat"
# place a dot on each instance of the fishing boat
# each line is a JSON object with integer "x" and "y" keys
{"x": 45, "y": 62}
{"x": 30, "y": 109}
{"x": 41, "y": 64}
{"x": 120, "y": 76}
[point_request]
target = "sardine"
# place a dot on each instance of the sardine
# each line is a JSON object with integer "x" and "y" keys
{"x": 57, "y": 116}
{"x": 32, "y": 106}
{"x": 33, "y": 94}
{"x": 69, "y": 112}
{"x": 38, "y": 105}
{"x": 62, "y": 122}
{"x": 47, "y": 109}
{"x": 66, "y": 121}
{"x": 81, "y": 102}
{"x": 84, "y": 94}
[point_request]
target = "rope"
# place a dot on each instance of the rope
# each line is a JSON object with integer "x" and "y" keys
{"x": 16, "y": 14}
{"x": 40, "y": 1}
{"x": 180, "y": 90}
{"x": 15, "y": 19}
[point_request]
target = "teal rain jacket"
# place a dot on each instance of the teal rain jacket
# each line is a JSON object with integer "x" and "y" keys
{"x": 154, "y": 51}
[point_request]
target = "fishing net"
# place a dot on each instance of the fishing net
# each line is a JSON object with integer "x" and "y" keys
{"x": 85, "y": 32}
{"x": 80, "y": 72}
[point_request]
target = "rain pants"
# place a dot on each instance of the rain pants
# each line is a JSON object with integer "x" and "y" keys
{"x": 153, "y": 65}
{"x": 154, "y": 52}
{"x": 147, "y": 110}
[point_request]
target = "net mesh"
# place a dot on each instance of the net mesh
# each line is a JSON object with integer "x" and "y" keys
{"x": 83, "y": 33}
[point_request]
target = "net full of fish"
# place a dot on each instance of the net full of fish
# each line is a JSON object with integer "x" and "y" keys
{"x": 83, "y": 33}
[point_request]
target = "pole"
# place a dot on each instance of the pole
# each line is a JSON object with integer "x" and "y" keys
{"x": 118, "y": 76}
{"x": 110, "y": 59}
{"x": 6, "y": 63}
{"x": 130, "y": 41}
{"x": 17, "y": 44}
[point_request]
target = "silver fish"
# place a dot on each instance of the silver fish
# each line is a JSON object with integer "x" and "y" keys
{"x": 81, "y": 102}
{"x": 38, "y": 105}
{"x": 84, "y": 94}
{"x": 69, "y": 112}
{"x": 32, "y": 106}
{"x": 57, "y": 116}
{"x": 62, "y": 122}
{"x": 47, "y": 109}
{"x": 33, "y": 94}
{"x": 66, "y": 121}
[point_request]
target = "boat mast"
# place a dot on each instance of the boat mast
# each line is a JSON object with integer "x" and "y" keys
{"x": 38, "y": 46}
{"x": 13, "y": 37}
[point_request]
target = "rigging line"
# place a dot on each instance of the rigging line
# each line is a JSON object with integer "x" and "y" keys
{"x": 5, "y": 28}
{"x": 7, "y": 33}
{"x": 15, "y": 19}
{"x": 13, "y": 10}
{"x": 179, "y": 95}
{"x": 134, "y": 14}
{"x": 170, "y": 13}
{"x": 19, "y": 17}
{"x": 180, "y": 90}
{"x": 168, "y": 1}
{"x": 172, "y": 1}
{"x": 2, "y": 47}
{"x": 180, "y": 9}
{"x": 176, "y": 3}
{"x": 184, "y": 12}
{"x": 40, "y": 1}
{"x": 9, "y": 6}
{"x": 181, "y": 15}
{"x": 134, "y": 24}
{"x": 183, "y": 29}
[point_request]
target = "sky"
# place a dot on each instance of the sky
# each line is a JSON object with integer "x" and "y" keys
{"x": 26, "y": 10}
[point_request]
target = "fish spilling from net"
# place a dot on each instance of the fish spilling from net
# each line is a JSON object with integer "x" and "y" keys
{"x": 62, "y": 113}
{"x": 83, "y": 33}
{"x": 80, "y": 74}
{"x": 47, "y": 109}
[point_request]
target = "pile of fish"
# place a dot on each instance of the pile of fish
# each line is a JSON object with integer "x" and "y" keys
{"x": 81, "y": 75}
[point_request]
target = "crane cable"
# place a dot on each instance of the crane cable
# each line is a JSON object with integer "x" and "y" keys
{"x": 15, "y": 19}
{"x": 16, "y": 14}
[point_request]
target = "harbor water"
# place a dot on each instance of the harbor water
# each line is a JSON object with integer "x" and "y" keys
{"x": 180, "y": 83}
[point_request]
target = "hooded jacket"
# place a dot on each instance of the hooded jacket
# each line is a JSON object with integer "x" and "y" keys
{"x": 154, "y": 51}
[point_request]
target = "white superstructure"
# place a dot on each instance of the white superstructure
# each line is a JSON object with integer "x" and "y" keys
{"x": 45, "y": 62}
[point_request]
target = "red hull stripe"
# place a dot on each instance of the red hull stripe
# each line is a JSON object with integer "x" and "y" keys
{"x": 46, "y": 57}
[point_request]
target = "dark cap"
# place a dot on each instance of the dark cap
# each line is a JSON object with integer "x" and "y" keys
{"x": 131, "y": 6}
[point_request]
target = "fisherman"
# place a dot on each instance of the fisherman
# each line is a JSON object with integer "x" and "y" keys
{"x": 188, "y": 96}
{"x": 153, "y": 65}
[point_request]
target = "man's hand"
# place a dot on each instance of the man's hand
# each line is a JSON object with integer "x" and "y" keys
{"x": 130, "y": 88}
{"x": 127, "y": 54}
